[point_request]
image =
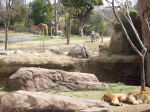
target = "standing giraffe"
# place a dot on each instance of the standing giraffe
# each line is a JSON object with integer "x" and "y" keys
{"x": 42, "y": 27}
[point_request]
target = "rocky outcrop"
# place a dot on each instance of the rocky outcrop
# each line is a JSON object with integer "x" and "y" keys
{"x": 106, "y": 68}
{"x": 79, "y": 51}
{"x": 10, "y": 64}
{"x": 23, "y": 101}
{"x": 114, "y": 69}
{"x": 118, "y": 44}
{"x": 39, "y": 79}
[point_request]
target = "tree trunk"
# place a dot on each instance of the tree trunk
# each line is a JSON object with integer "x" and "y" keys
{"x": 81, "y": 27}
{"x": 142, "y": 67}
{"x": 6, "y": 38}
{"x": 56, "y": 19}
{"x": 148, "y": 69}
{"x": 69, "y": 28}
{"x": 68, "y": 39}
{"x": 81, "y": 31}
{"x": 143, "y": 6}
{"x": 51, "y": 31}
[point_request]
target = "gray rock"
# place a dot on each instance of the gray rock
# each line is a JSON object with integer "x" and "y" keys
{"x": 23, "y": 101}
{"x": 94, "y": 109}
{"x": 39, "y": 79}
{"x": 55, "y": 50}
{"x": 5, "y": 52}
{"x": 79, "y": 51}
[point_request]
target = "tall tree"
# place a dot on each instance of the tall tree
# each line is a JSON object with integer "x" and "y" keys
{"x": 81, "y": 9}
{"x": 39, "y": 8}
{"x": 56, "y": 7}
{"x": 68, "y": 24}
{"x": 6, "y": 12}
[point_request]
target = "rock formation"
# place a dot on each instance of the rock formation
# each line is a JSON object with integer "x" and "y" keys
{"x": 40, "y": 79}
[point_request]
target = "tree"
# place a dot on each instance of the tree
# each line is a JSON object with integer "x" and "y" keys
{"x": 141, "y": 53}
{"x": 6, "y": 12}
{"x": 81, "y": 9}
{"x": 68, "y": 25}
{"x": 144, "y": 11}
{"x": 19, "y": 17}
{"x": 56, "y": 7}
{"x": 20, "y": 13}
{"x": 38, "y": 8}
{"x": 97, "y": 23}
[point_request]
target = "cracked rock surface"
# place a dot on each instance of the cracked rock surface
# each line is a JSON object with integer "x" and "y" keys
{"x": 25, "y": 101}
{"x": 40, "y": 79}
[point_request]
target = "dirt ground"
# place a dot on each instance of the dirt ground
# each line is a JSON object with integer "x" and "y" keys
{"x": 37, "y": 46}
{"x": 132, "y": 108}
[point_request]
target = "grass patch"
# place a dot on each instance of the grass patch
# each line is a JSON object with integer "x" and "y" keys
{"x": 6, "y": 90}
{"x": 98, "y": 93}
{"x": 80, "y": 38}
{"x": 1, "y": 41}
{"x": 43, "y": 38}
{"x": 90, "y": 94}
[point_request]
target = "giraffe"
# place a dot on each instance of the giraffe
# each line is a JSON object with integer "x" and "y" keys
{"x": 42, "y": 27}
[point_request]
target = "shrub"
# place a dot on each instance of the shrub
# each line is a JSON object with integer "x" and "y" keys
{"x": 19, "y": 27}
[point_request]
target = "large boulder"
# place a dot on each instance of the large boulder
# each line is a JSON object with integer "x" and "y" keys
{"x": 79, "y": 51}
{"x": 118, "y": 43}
{"x": 23, "y": 101}
{"x": 39, "y": 79}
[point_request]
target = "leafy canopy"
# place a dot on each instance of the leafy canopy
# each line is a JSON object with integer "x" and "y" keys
{"x": 82, "y": 3}
{"x": 82, "y": 7}
{"x": 39, "y": 9}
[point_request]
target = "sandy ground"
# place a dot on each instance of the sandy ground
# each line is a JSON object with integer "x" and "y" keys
{"x": 131, "y": 108}
{"x": 29, "y": 46}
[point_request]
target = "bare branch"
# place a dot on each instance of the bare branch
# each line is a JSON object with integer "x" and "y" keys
{"x": 125, "y": 31}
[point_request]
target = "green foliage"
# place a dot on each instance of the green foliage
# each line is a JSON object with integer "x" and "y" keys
{"x": 5, "y": 90}
{"x": 29, "y": 23}
{"x": 19, "y": 27}
{"x": 79, "y": 38}
{"x": 103, "y": 28}
{"x": 39, "y": 9}
{"x": 18, "y": 17}
{"x": 82, "y": 3}
{"x": 1, "y": 22}
{"x": 42, "y": 38}
{"x": 98, "y": 24}
{"x": 80, "y": 9}
{"x": 20, "y": 13}
{"x": 1, "y": 41}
